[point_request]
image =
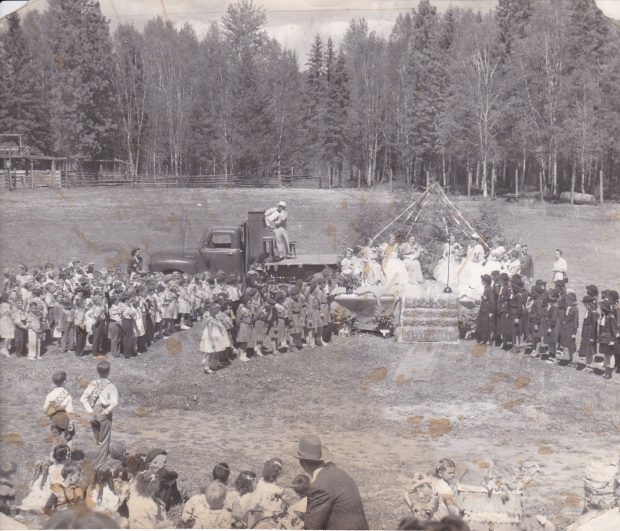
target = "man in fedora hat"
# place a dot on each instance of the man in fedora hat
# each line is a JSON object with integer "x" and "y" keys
{"x": 334, "y": 501}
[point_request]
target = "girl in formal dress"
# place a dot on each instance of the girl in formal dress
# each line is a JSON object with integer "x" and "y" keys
{"x": 214, "y": 341}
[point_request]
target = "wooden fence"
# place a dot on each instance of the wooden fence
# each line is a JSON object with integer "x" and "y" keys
{"x": 23, "y": 179}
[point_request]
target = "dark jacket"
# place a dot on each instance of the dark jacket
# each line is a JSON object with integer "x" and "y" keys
{"x": 334, "y": 502}
{"x": 608, "y": 329}
{"x": 527, "y": 266}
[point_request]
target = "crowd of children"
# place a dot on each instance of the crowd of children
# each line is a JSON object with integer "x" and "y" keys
{"x": 79, "y": 308}
{"x": 138, "y": 491}
{"x": 518, "y": 313}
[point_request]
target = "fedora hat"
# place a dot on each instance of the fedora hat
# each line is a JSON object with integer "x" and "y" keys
{"x": 311, "y": 449}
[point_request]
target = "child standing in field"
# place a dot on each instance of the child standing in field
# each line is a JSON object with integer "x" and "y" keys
{"x": 33, "y": 325}
{"x": 58, "y": 407}
{"x": 244, "y": 327}
{"x": 608, "y": 335}
{"x": 7, "y": 327}
{"x": 214, "y": 341}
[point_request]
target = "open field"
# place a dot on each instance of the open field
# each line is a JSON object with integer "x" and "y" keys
{"x": 385, "y": 410}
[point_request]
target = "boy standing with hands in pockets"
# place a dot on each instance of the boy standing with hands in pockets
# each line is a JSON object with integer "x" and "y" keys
{"x": 101, "y": 398}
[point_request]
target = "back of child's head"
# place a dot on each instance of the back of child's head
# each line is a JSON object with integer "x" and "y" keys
{"x": 245, "y": 482}
{"x": 301, "y": 484}
{"x": 61, "y": 453}
{"x": 221, "y": 473}
{"x": 272, "y": 470}
{"x": 69, "y": 469}
{"x": 59, "y": 378}
{"x": 103, "y": 369}
{"x": 215, "y": 493}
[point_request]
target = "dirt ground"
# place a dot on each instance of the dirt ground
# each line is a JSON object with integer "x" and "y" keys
{"x": 385, "y": 410}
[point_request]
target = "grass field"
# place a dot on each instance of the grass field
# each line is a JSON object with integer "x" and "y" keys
{"x": 384, "y": 409}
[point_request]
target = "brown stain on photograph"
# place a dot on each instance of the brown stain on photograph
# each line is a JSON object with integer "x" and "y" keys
{"x": 401, "y": 379}
{"x": 11, "y": 438}
{"x": 512, "y": 404}
{"x": 572, "y": 500}
{"x": 375, "y": 376}
{"x": 478, "y": 350}
{"x": 439, "y": 427}
{"x": 544, "y": 450}
{"x": 415, "y": 420}
{"x": 91, "y": 245}
{"x": 522, "y": 381}
{"x": 173, "y": 346}
{"x": 141, "y": 411}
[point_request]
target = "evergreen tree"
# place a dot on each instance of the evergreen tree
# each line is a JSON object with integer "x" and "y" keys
{"x": 334, "y": 124}
{"x": 246, "y": 42}
{"x": 424, "y": 74}
{"x": 83, "y": 121}
{"x": 313, "y": 106}
{"x": 21, "y": 109}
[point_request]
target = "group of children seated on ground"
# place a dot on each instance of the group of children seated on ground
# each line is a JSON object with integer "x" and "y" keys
{"x": 545, "y": 321}
{"x": 137, "y": 491}
{"x": 79, "y": 308}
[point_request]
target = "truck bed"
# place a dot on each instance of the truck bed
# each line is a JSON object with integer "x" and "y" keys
{"x": 307, "y": 260}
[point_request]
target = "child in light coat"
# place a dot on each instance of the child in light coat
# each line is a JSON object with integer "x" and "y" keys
{"x": 214, "y": 341}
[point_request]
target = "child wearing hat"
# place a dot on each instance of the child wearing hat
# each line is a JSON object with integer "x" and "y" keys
{"x": 551, "y": 322}
{"x": 214, "y": 341}
{"x": 589, "y": 330}
{"x": 296, "y": 316}
{"x": 261, "y": 322}
{"x": 278, "y": 323}
{"x": 568, "y": 329}
{"x": 608, "y": 335}
{"x": 536, "y": 310}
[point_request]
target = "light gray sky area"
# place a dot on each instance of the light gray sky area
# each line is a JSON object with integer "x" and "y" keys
{"x": 293, "y": 22}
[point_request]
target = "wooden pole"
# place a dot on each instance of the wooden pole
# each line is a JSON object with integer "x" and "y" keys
{"x": 517, "y": 180}
{"x": 32, "y": 183}
{"x": 572, "y": 183}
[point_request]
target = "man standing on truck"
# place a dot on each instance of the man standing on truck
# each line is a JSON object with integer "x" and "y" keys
{"x": 275, "y": 218}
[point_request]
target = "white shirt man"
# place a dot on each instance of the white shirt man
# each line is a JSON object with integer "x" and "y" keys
{"x": 276, "y": 218}
{"x": 560, "y": 267}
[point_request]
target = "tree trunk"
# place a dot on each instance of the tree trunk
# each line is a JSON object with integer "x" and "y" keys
{"x": 468, "y": 179}
{"x": 443, "y": 169}
{"x": 555, "y": 171}
{"x": 477, "y": 174}
{"x": 541, "y": 178}
{"x": 493, "y": 178}
{"x": 573, "y": 177}
{"x": 485, "y": 192}
{"x": 600, "y": 185}
{"x": 517, "y": 180}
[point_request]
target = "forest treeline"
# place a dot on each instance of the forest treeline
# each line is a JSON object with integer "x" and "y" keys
{"x": 522, "y": 97}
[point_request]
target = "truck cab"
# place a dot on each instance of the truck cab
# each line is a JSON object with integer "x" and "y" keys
{"x": 223, "y": 249}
